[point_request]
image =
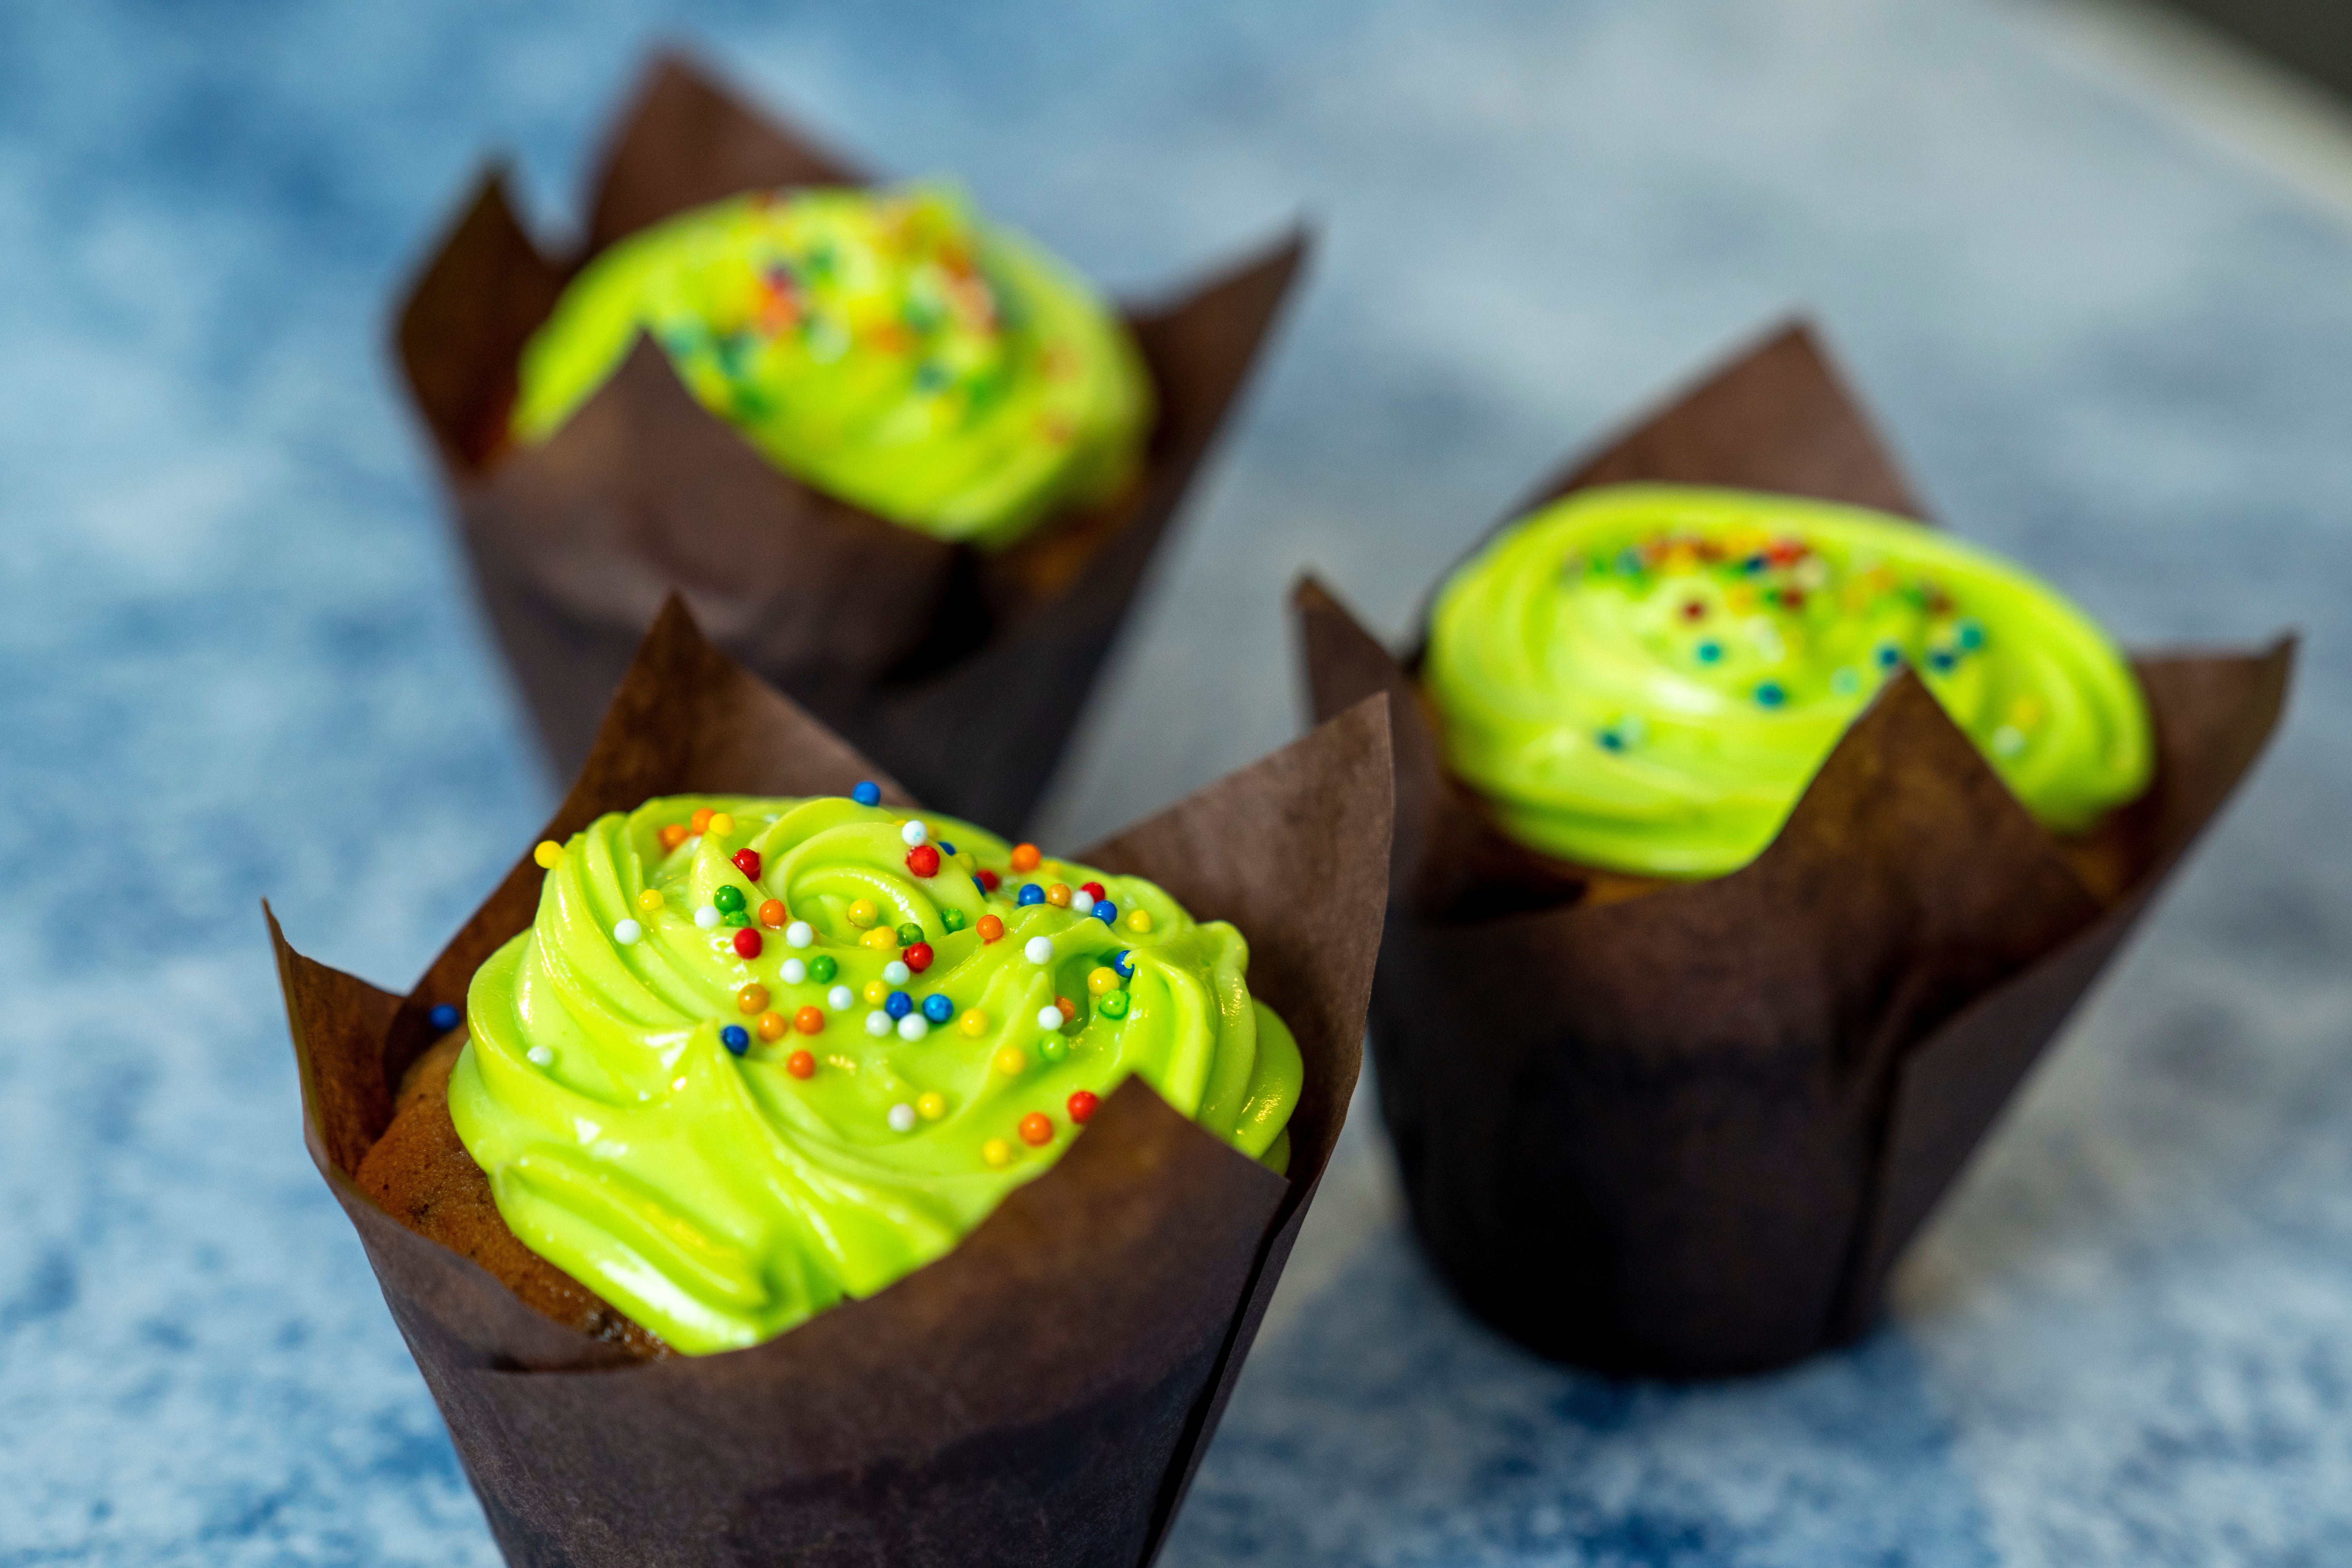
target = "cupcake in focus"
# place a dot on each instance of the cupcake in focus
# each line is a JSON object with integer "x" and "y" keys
{"x": 755, "y": 1056}
{"x": 888, "y": 347}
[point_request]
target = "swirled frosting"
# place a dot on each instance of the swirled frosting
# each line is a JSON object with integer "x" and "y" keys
{"x": 890, "y": 348}
{"x": 754, "y": 1055}
{"x": 1645, "y": 678}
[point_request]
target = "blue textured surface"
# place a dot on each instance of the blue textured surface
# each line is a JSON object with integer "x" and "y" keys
{"x": 237, "y": 658}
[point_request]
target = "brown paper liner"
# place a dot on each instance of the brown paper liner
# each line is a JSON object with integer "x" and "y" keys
{"x": 1689, "y": 1133}
{"x": 961, "y": 672}
{"x": 1039, "y": 1395}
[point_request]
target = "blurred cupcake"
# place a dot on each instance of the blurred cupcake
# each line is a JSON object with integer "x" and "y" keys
{"x": 904, "y": 463}
{"x": 939, "y": 1303}
{"x": 1751, "y": 843}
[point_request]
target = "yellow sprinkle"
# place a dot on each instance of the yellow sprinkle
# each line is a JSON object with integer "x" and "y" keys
{"x": 650, "y": 900}
{"x": 1102, "y": 982}
{"x": 548, "y": 853}
{"x": 877, "y": 993}
{"x": 997, "y": 1152}
{"x": 863, "y": 913}
{"x": 881, "y": 938}
{"x": 2026, "y": 710}
{"x": 1058, "y": 895}
{"x": 1138, "y": 920}
{"x": 974, "y": 1023}
{"x": 721, "y": 823}
{"x": 933, "y": 1106}
{"x": 1012, "y": 1060}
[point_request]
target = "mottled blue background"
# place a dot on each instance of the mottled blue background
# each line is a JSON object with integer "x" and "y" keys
{"x": 237, "y": 659}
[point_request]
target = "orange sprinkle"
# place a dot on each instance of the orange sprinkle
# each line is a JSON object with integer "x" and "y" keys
{"x": 700, "y": 821}
{"x": 809, "y": 1021}
{"x": 772, "y": 914}
{"x": 800, "y": 1064}
{"x": 1025, "y": 856}
{"x": 752, "y": 998}
{"x": 1037, "y": 1129}
{"x": 1058, "y": 895}
{"x": 1069, "y": 1008}
{"x": 673, "y": 835}
{"x": 990, "y": 928}
{"x": 771, "y": 1026}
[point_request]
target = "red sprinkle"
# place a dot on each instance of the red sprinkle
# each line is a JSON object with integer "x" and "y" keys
{"x": 918, "y": 957}
{"x": 990, "y": 879}
{"x": 1082, "y": 1107}
{"x": 748, "y": 862}
{"x": 1695, "y": 610}
{"x": 923, "y": 860}
{"x": 748, "y": 943}
{"x": 1094, "y": 890}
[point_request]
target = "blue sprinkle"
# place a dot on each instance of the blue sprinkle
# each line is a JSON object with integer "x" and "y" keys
{"x": 898, "y": 1004}
{"x": 1709, "y": 652}
{"x": 867, "y": 792}
{"x": 1941, "y": 660}
{"x": 1611, "y": 741}
{"x": 1770, "y": 694}
{"x": 937, "y": 1008}
{"x": 946, "y": 848}
{"x": 1104, "y": 911}
{"x": 1031, "y": 893}
{"x": 1972, "y": 636}
{"x": 444, "y": 1017}
{"x": 981, "y": 886}
{"x": 1889, "y": 656}
{"x": 734, "y": 1039}
{"x": 1123, "y": 961}
{"x": 1754, "y": 564}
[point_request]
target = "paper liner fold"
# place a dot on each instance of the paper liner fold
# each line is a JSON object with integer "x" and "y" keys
{"x": 961, "y": 672}
{"x": 1039, "y": 1395}
{"x": 1690, "y": 1132}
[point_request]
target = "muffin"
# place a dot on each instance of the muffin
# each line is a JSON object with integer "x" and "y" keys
{"x": 994, "y": 1327}
{"x": 905, "y": 464}
{"x": 821, "y": 1040}
{"x": 1752, "y": 841}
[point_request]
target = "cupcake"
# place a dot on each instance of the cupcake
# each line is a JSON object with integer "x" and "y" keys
{"x": 741, "y": 1202}
{"x": 1752, "y": 841}
{"x": 908, "y": 464}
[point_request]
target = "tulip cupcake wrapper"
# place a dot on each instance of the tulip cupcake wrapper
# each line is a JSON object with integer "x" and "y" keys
{"x": 962, "y": 673}
{"x": 1043, "y": 1393}
{"x": 1689, "y": 1133}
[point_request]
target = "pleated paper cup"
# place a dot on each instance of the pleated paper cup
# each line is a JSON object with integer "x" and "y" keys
{"x": 1687, "y": 1129}
{"x": 960, "y": 672}
{"x": 1041, "y": 1395}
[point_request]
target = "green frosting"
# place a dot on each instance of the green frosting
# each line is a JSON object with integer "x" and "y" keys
{"x": 888, "y": 347}
{"x": 1646, "y": 678}
{"x": 720, "y": 1195}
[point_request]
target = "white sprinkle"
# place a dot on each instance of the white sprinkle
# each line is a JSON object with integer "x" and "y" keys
{"x": 913, "y": 833}
{"x": 540, "y": 1056}
{"x": 792, "y": 972}
{"x": 896, "y": 972}
{"x": 2008, "y": 741}
{"x": 1082, "y": 903}
{"x": 798, "y": 934}
{"x": 1050, "y": 1017}
{"x": 840, "y": 998}
{"x": 914, "y": 1026}
{"x": 707, "y": 917}
{"x": 1040, "y": 950}
{"x": 627, "y": 932}
{"x": 877, "y": 1023}
{"x": 902, "y": 1118}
